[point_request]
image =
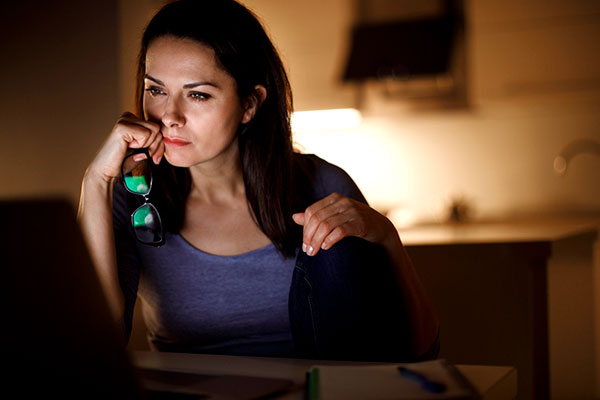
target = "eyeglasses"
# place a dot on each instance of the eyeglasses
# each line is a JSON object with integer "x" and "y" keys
{"x": 136, "y": 172}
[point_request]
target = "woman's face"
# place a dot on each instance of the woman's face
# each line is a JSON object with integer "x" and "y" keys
{"x": 193, "y": 99}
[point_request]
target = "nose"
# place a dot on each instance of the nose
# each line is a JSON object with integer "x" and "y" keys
{"x": 173, "y": 116}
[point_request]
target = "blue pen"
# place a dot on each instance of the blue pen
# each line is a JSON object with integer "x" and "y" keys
{"x": 426, "y": 384}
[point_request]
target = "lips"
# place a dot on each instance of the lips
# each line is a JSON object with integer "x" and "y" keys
{"x": 172, "y": 141}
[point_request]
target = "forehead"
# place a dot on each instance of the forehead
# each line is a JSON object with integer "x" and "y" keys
{"x": 187, "y": 58}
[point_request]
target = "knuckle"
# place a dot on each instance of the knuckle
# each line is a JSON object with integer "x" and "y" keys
{"x": 341, "y": 208}
{"x": 307, "y": 233}
{"x": 346, "y": 202}
{"x": 120, "y": 124}
{"x": 124, "y": 117}
{"x": 326, "y": 226}
{"x": 142, "y": 130}
{"x": 309, "y": 212}
{"x": 332, "y": 237}
{"x": 336, "y": 235}
{"x": 361, "y": 230}
{"x": 319, "y": 215}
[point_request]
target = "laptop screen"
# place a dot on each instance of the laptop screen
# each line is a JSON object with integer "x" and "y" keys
{"x": 57, "y": 334}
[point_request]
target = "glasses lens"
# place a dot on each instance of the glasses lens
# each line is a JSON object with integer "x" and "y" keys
{"x": 137, "y": 173}
{"x": 147, "y": 224}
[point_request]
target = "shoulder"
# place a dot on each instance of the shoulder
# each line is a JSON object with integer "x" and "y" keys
{"x": 324, "y": 178}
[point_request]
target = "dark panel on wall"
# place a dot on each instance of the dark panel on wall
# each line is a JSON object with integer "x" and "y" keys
{"x": 59, "y": 83}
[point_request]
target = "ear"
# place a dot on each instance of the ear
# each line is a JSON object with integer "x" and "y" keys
{"x": 253, "y": 102}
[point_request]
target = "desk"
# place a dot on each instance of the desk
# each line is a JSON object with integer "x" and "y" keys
{"x": 513, "y": 293}
{"x": 492, "y": 382}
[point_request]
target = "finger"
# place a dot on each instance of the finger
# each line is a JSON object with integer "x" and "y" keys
{"x": 155, "y": 135}
{"x": 139, "y": 157}
{"x": 316, "y": 211}
{"x": 335, "y": 236}
{"x": 339, "y": 205}
{"x": 324, "y": 230}
{"x": 157, "y": 151}
{"x": 323, "y": 203}
{"x": 136, "y": 135}
{"x": 128, "y": 117}
{"x": 299, "y": 218}
{"x": 152, "y": 140}
{"x": 136, "y": 132}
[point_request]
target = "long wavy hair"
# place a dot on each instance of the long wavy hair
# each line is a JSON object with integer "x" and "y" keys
{"x": 245, "y": 51}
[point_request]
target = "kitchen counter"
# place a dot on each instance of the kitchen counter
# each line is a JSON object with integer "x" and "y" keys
{"x": 512, "y": 293}
{"x": 509, "y": 231}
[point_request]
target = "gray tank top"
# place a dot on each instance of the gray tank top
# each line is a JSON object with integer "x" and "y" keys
{"x": 199, "y": 302}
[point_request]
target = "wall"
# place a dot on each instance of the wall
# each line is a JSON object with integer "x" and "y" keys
{"x": 132, "y": 19}
{"x": 59, "y": 92}
{"x": 534, "y": 85}
{"x": 311, "y": 38}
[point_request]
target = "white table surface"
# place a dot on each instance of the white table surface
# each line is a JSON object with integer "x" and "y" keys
{"x": 492, "y": 382}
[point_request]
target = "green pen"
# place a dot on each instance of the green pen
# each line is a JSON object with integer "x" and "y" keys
{"x": 312, "y": 390}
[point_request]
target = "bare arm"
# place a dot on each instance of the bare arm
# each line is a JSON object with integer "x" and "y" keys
{"x": 95, "y": 218}
{"x": 95, "y": 213}
{"x": 422, "y": 315}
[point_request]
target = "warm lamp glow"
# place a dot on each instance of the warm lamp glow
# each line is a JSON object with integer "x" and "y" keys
{"x": 324, "y": 120}
{"x": 366, "y": 153}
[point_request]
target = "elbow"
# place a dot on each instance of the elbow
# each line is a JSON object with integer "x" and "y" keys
{"x": 429, "y": 350}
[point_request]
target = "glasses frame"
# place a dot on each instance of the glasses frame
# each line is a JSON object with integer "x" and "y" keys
{"x": 145, "y": 196}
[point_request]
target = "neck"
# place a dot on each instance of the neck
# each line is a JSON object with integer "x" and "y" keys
{"x": 219, "y": 180}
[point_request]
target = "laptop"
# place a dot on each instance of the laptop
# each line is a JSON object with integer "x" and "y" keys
{"x": 57, "y": 335}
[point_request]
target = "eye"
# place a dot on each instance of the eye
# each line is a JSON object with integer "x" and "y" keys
{"x": 154, "y": 91}
{"x": 200, "y": 96}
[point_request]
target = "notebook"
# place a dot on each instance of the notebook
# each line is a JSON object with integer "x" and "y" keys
{"x": 425, "y": 380}
{"x": 57, "y": 336}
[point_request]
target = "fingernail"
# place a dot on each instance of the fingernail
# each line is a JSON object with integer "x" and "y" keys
{"x": 324, "y": 246}
{"x": 304, "y": 247}
{"x": 310, "y": 251}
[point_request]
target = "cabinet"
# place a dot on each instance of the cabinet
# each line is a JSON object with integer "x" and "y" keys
{"x": 519, "y": 294}
{"x": 523, "y": 49}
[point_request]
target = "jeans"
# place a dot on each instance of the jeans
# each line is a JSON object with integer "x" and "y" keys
{"x": 345, "y": 305}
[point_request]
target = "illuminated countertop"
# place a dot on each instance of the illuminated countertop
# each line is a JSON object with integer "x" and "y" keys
{"x": 508, "y": 231}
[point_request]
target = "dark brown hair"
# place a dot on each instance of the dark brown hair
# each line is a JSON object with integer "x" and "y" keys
{"x": 245, "y": 51}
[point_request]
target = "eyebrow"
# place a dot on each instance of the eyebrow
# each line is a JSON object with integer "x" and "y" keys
{"x": 186, "y": 86}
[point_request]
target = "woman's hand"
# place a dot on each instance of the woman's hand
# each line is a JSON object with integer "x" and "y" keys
{"x": 128, "y": 132}
{"x": 335, "y": 217}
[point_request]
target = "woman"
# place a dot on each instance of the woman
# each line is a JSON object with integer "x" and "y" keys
{"x": 266, "y": 252}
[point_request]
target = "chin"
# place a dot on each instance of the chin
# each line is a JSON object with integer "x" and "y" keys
{"x": 177, "y": 161}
